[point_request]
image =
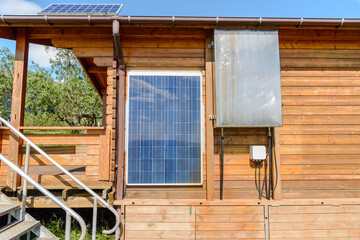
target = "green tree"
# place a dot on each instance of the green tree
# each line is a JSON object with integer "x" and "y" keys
{"x": 6, "y": 76}
{"x": 39, "y": 106}
{"x": 66, "y": 99}
{"x": 75, "y": 100}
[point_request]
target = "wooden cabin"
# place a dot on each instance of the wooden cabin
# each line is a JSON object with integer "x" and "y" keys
{"x": 316, "y": 150}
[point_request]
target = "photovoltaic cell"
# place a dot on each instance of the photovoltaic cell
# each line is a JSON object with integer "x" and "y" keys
{"x": 164, "y": 129}
{"x": 82, "y": 9}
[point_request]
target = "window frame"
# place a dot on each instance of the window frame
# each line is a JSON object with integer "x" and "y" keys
{"x": 202, "y": 122}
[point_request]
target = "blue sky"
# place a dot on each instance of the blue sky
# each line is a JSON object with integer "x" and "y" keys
{"x": 212, "y": 8}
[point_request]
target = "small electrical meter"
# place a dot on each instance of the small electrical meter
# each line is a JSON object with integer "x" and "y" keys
{"x": 257, "y": 153}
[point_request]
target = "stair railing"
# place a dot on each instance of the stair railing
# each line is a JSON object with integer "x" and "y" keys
{"x": 86, "y": 188}
{"x": 69, "y": 211}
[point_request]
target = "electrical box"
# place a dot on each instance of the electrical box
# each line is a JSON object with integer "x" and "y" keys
{"x": 257, "y": 153}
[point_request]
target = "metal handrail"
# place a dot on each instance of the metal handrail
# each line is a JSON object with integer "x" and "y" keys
{"x": 48, "y": 194}
{"x": 86, "y": 188}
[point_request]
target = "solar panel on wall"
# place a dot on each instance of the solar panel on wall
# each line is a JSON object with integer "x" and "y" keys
{"x": 82, "y": 9}
{"x": 164, "y": 129}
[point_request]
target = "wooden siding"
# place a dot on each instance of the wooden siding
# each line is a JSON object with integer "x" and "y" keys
{"x": 77, "y": 153}
{"x": 239, "y": 171}
{"x": 230, "y": 222}
{"x": 159, "y": 222}
{"x": 315, "y": 222}
{"x": 194, "y": 222}
{"x": 320, "y": 139}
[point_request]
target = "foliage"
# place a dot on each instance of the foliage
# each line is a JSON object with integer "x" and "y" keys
{"x": 6, "y": 76}
{"x": 75, "y": 92}
{"x": 56, "y": 225}
{"x": 62, "y": 96}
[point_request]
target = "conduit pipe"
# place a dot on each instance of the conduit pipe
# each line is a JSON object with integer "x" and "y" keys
{"x": 117, "y": 44}
{"x": 216, "y": 21}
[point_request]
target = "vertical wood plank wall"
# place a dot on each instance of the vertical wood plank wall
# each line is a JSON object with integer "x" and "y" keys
{"x": 320, "y": 139}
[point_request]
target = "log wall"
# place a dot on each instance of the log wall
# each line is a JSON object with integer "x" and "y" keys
{"x": 320, "y": 139}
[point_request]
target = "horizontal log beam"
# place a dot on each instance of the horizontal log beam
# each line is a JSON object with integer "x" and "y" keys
{"x": 233, "y": 202}
{"x": 7, "y": 33}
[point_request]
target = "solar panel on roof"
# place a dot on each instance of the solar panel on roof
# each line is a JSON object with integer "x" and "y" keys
{"x": 82, "y": 9}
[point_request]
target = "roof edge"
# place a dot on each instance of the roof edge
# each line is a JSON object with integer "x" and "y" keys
{"x": 216, "y": 21}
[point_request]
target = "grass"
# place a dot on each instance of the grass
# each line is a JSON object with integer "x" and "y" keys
{"x": 56, "y": 225}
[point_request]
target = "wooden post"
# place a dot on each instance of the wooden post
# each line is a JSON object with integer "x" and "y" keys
{"x": 209, "y": 124}
{"x": 122, "y": 220}
{"x": 18, "y": 103}
{"x": 120, "y": 135}
{"x": 105, "y": 140}
{"x": 1, "y": 140}
{"x": 276, "y": 170}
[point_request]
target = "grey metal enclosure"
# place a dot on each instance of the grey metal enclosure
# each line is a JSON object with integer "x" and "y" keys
{"x": 247, "y": 78}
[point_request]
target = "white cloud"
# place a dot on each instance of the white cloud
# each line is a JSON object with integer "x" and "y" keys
{"x": 18, "y": 7}
{"x": 38, "y": 54}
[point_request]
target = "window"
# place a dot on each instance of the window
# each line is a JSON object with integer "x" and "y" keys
{"x": 164, "y": 128}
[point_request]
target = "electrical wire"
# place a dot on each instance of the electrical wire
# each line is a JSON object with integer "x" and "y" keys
{"x": 264, "y": 180}
{"x": 258, "y": 178}
{"x": 276, "y": 167}
{"x": 268, "y": 194}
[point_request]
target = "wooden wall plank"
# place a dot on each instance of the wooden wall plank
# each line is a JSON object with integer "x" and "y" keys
{"x": 320, "y": 136}
{"x": 209, "y": 110}
{"x": 320, "y": 222}
{"x": 276, "y": 173}
{"x": 230, "y": 222}
{"x": 104, "y": 157}
{"x": 169, "y": 222}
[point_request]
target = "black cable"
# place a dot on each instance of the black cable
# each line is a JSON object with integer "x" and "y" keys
{"x": 276, "y": 167}
{"x": 258, "y": 178}
{"x": 222, "y": 164}
{"x": 270, "y": 166}
{"x": 256, "y": 182}
{"x": 264, "y": 181}
{"x": 260, "y": 193}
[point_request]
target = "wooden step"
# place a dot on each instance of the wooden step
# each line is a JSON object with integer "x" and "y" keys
{"x": 6, "y": 208}
{"x": 17, "y": 229}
